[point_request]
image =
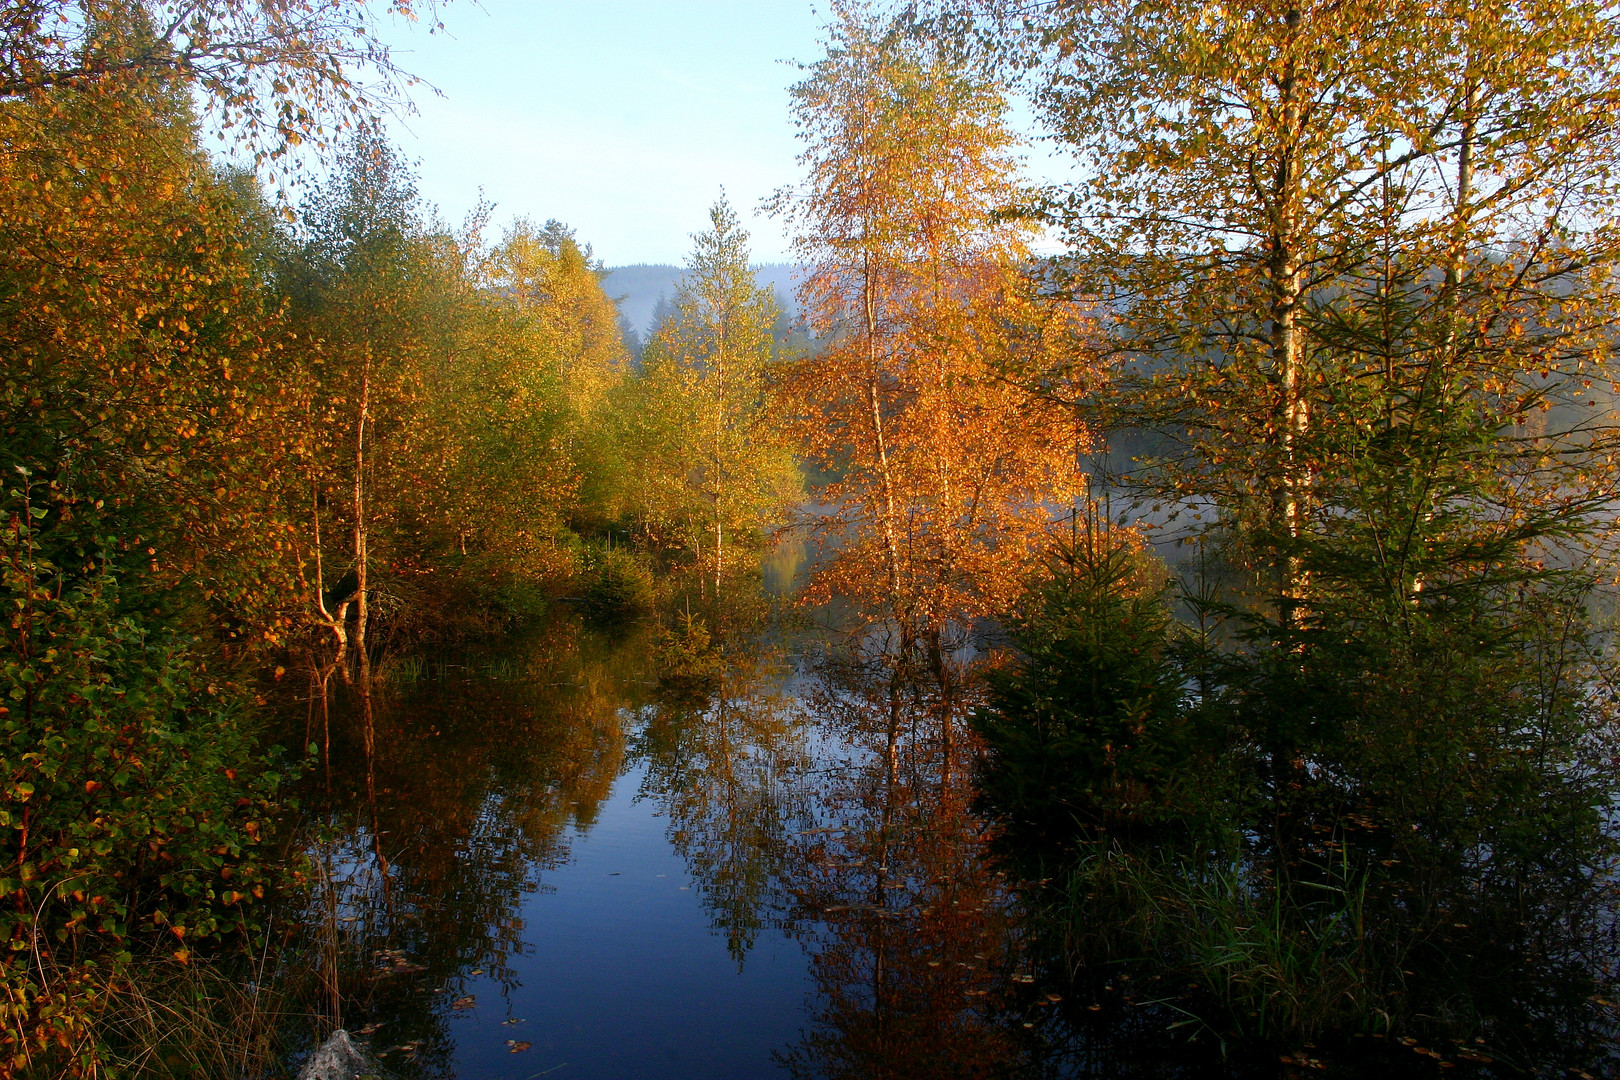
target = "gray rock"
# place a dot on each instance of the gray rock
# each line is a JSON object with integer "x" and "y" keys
{"x": 336, "y": 1059}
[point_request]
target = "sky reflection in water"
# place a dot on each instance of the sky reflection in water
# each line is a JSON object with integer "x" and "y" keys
{"x": 620, "y": 973}
{"x": 773, "y": 876}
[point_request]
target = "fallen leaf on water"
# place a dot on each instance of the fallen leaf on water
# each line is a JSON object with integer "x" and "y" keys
{"x": 513, "y": 1020}
{"x": 517, "y": 1046}
{"x": 476, "y": 971}
{"x": 464, "y": 1002}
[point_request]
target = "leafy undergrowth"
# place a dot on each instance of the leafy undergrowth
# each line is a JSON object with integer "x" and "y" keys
{"x": 134, "y": 804}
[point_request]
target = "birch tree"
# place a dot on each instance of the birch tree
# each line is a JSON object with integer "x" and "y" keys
{"x": 1353, "y": 265}
{"x": 1269, "y": 183}
{"x": 359, "y": 287}
{"x": 709, "y": 361}
{"x": 917, "y": 294}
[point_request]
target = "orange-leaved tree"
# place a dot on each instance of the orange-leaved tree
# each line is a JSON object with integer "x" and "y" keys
{"x": 918, "y": 292}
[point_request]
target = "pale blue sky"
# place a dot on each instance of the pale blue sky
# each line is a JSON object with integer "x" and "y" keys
{"x": 622, "y": 118}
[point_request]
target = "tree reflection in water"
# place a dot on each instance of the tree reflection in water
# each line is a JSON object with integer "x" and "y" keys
{"x": 835, "y": 807}
{"x": 727, "y": 766}
{"x": 830, "y": 800}
{"x": 910, "y": 931}
{"x": 479, "y": 769}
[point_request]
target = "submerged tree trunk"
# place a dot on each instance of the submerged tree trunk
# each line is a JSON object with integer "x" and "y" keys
{"x": 335, "y": 620}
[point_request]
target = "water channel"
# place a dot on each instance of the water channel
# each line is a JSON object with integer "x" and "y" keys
{"x": 593, "y": 873}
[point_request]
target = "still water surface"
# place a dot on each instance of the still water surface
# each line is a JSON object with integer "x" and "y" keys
{"x": 566, "y": 868}
{"x": 620, "y": 973}
{"x": 558, "y": 861}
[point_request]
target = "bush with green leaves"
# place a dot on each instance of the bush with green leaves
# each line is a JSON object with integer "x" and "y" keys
{"x": 1387, "y": 814}
{"x": 617, "y": 586}
{"x": 134, "y": 802}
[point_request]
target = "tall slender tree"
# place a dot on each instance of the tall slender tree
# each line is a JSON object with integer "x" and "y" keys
{"x": 710, "y": 359}
{"x": 1354, "y": 264}
{"x": 363, "y": 275}
{"x": 1265, "y": 178}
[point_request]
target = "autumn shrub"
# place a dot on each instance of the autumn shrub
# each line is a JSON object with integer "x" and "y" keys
{"x": 686, "y": 654}
{"x": 134, "y": 803}
{"x": 520, "y": 583}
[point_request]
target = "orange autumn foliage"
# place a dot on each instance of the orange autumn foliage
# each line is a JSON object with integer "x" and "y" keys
{"x": 949, "y": 474}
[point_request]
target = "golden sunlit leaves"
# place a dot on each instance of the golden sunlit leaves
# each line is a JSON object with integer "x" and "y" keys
{"x": 948, "y": 473}
{"x": 129, "y": 331}
{"x": 274, "y": 74}
{"x": 1306, "y": 219}
{"x": 715, "y": 466}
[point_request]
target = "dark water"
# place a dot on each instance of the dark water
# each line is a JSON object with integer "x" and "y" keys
{"x": 564, "y": 868}
{"x": 554, "y": 863}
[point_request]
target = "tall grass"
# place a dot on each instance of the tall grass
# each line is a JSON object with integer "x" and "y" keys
{"x": 413, "y": 669}
{"x": 1268, "y": 960}
{"x": 161, "y": 1020}
{"x": 236, "y": 1017}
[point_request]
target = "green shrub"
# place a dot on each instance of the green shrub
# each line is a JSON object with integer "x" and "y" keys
{"x": 686, "y": 654}
{"x": 1087, "y": 730}
{"x": 133, "y": 802}
{"x": 1391, "y": 817}
{"x": 617, "y": 587}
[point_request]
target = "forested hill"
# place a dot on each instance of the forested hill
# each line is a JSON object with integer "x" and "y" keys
{"x": 636, "y": 288}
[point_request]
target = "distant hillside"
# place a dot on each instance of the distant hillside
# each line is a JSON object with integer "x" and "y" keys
{"x": 636, "y": 289}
